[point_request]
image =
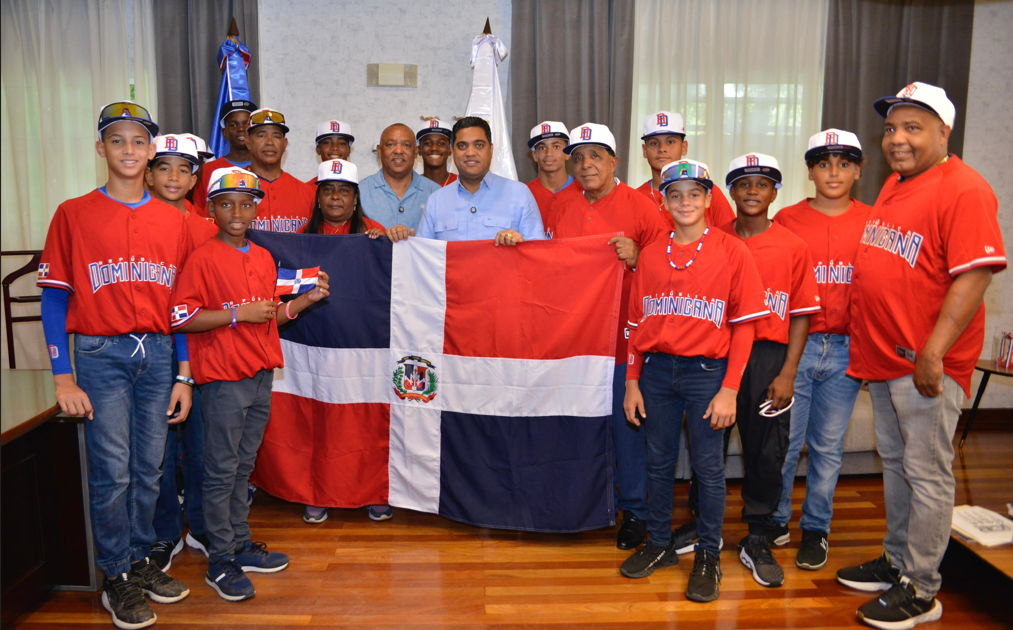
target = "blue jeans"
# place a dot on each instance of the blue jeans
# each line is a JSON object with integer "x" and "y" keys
{"x": 168, "y": 512}
{"x": 128, "y": 379}
{"x": 824, "y": 400}
{"x": 672, "y": 385}
{"x": 630, "y": 464}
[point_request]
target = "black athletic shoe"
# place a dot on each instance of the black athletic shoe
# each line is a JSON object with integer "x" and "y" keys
{"x": 705, "y": 578}
{"x": 778, "y": 535}
{"x": 122, "y": 597}
{"x": 900, "y": 608}
{"x": 632, "y": 533}
{"x": 163, "y": 551}
{"x": 157, "y": 585}
{"x": 754, "y": 552}
{"x": 812, "y": 555}
{"x": 199, "y": 542}
{"x": 877, "y": 575}
{"x": 685, "y": 538}
{"x": 649, "y": 559}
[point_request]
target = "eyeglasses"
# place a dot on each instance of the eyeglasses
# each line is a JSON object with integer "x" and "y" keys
{"x": 237, "y": 180}
{"x": 124, "y": 110}
{"x": 267, "y": 117}
{"x": 685, "y": 170}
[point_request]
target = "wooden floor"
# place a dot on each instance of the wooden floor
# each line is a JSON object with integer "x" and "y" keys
{"x": 423, "y": 571}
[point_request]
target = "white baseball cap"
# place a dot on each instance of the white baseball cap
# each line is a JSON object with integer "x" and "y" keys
{"x": 433, "y": 125}
{"x": 683, "y": 170}
{"x": 199, "y": 144}
{"x": 235, "y": 179}
{"x": 337, "y": 171}
{"x": 923, "y": 95}
{"x": 663, "y": 122}
{"x": 834, "y": 141}
{"x": 591, "y": 133}
{"x": 176, "y": 146}
{"x": 546, "y": 130}
{"x": 753, "y": 164}
{"x": 334, "y": 128}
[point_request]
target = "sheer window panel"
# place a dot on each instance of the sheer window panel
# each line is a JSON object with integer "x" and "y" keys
{"x": 746, "y": 76}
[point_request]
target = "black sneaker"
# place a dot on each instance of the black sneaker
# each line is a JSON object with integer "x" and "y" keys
{"x": 649, "y": 559}
{"x": 754, "y": 552}
{"x": 157, "y": 585}
{"x": 900, "y": 608}
{"x": 122, "y": 597}
{"x": 199, "y": 542}
{"x": 778, "y": 535}
{"x": 704, "y": 580}
{"x": 877, "y": 575}
{"x": 812, "y": 555}
{"x": 685, "y": 538}
{"x": 632, "y": 532}
{"x": 163, "y": 551}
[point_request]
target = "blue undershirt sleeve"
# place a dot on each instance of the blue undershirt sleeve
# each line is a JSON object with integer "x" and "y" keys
{"x": 182, "y": 352}
{"x": 54, "y": 325}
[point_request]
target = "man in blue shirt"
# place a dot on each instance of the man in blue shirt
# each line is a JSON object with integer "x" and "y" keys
{"x": 480, "y": 205}
{"x": 396, "y": 195}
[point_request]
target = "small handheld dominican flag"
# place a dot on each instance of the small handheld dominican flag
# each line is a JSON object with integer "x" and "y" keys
{"x": 294, "y": 281}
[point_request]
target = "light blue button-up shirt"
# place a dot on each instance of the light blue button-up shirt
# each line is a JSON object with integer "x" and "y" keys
{"x": 380, "y": 202}
{"x": 454, "y": 214}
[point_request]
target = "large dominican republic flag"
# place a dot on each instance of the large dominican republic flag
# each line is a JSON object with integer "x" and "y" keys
{"x": 462, "y": 379}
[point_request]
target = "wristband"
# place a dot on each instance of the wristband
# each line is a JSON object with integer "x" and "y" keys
{"x": 186, "y": 380}
{"x": 287, "y": 314}
{"x": 233, "y": 324}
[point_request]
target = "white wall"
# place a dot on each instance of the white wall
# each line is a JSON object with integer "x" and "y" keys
{"x": 988, "y": 149}
{"x": 314, "y": 55}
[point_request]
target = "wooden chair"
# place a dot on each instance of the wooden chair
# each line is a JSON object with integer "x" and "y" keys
{"x": 9, "y": 320}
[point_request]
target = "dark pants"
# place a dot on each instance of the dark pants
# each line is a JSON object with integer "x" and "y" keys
{"x": 764, "y": 440}
{"x": 630, "y": 463}
{"x": 168, "y": 511}
{"x": 672, "y": 386}
{"x": 235, "y": 416}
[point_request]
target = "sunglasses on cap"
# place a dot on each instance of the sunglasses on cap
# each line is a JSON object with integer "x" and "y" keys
{"x": 124, "y": 110}
{"x": 267, "y": 117}
{"x": 242, "y": 182}
{"x": 686, "y": 170}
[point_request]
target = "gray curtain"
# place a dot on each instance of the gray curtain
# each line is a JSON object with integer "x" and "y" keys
{"x": 875, "y": 48}
{"x": 187, "y": 38}
{"x": 572, "y": 61}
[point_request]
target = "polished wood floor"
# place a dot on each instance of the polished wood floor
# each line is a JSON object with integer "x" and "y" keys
{"x": 425, "y": 572}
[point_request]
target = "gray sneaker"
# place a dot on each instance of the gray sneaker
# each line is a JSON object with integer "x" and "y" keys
{"x": 157, "y": 585}
{"x": 754, "y": 552}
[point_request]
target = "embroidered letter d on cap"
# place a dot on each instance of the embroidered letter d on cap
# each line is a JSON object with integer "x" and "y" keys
{"x": 334, "y": 128}
{"x": 663, "y": 122}
{"x": 591, "y": 133}
{"x": 337, "y": 171}
{"x": 923, "y": 95}
{"x": 834, "y": 141}
{"x": 753, "y": 164}
{"x": 545, "y": 130}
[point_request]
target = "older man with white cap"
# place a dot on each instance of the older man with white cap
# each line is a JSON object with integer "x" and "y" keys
{"x": 608, "y": 206}
{"x": 927, "y": 254}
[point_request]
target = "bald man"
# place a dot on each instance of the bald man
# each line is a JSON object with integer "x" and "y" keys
{"x": 396, "y": 195}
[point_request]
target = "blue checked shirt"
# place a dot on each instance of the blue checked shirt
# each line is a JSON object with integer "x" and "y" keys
{"x": 381, "y": 204}
{"x": 454, "y": 214}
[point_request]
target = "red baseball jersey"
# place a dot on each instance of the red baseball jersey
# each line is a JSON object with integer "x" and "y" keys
{"x": 624, "y": 212}
{"x": 327, "y": 228}
{"x": 218, "y": 276}
{"x": 687, "y": 312}
{"x": 546, "y": 199}
{"x": 201, "y": 228}
{"x": 450, "y": 180}
{"x": 790, "y": 289}
{"x": 922, "y": 233}
{"x": 286, "y": 206}
{"x": 719, "y": 214}
{"x": 119, "y": 263}
{"x": 200, "y": 189}
{"x": 833, "y": 244}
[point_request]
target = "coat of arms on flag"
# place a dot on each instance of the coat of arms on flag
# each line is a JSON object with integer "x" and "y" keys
{"x": 295, "y": 281}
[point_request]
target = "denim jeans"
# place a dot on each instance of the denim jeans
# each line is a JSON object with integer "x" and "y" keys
{"x": 672, "y": 385}
{"x": 914, "y": 437}
{"x": 630, "y": 463}
{"x": 235, "y": 416}
{"x": 128, "y": 379}
{"x": 824, "y": 399}
{"x": 168, "y": 512}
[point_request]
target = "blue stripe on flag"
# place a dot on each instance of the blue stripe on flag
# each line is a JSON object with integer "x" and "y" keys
{"x": 514, "y": 473}
{"x": 357, "y": 313}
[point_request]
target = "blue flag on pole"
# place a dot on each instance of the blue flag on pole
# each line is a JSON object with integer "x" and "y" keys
{"x": 233, "y": 60}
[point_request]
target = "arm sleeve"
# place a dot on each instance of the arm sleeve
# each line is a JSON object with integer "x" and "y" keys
{"x": 738, "y": 354}
{"x": 182, "y": 351}
{"x": 530, "y": 227}
{"x": 634, "y": 356}
{"x": 54, "y": 326}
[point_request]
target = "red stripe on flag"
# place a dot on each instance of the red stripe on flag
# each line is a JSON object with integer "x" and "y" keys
{"x": 541, "y": 300}
{"x": 326, "y": 455}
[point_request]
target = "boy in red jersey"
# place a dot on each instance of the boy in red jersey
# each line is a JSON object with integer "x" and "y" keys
{"x": 694, "y": 300}
{"x": 225, "y": 301}
{"x": 548, "y": 143}
{"x": 171, "y": 175}
{"x": 107, "y": 272}
{"x": 433, "y": 137}
{"x": 234, "y": 119}
{"x": 334, "y": 142}
{"x": 287, "y": 202}
{"x": 831, "y": 224}
{"x": 664, "y": 136}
